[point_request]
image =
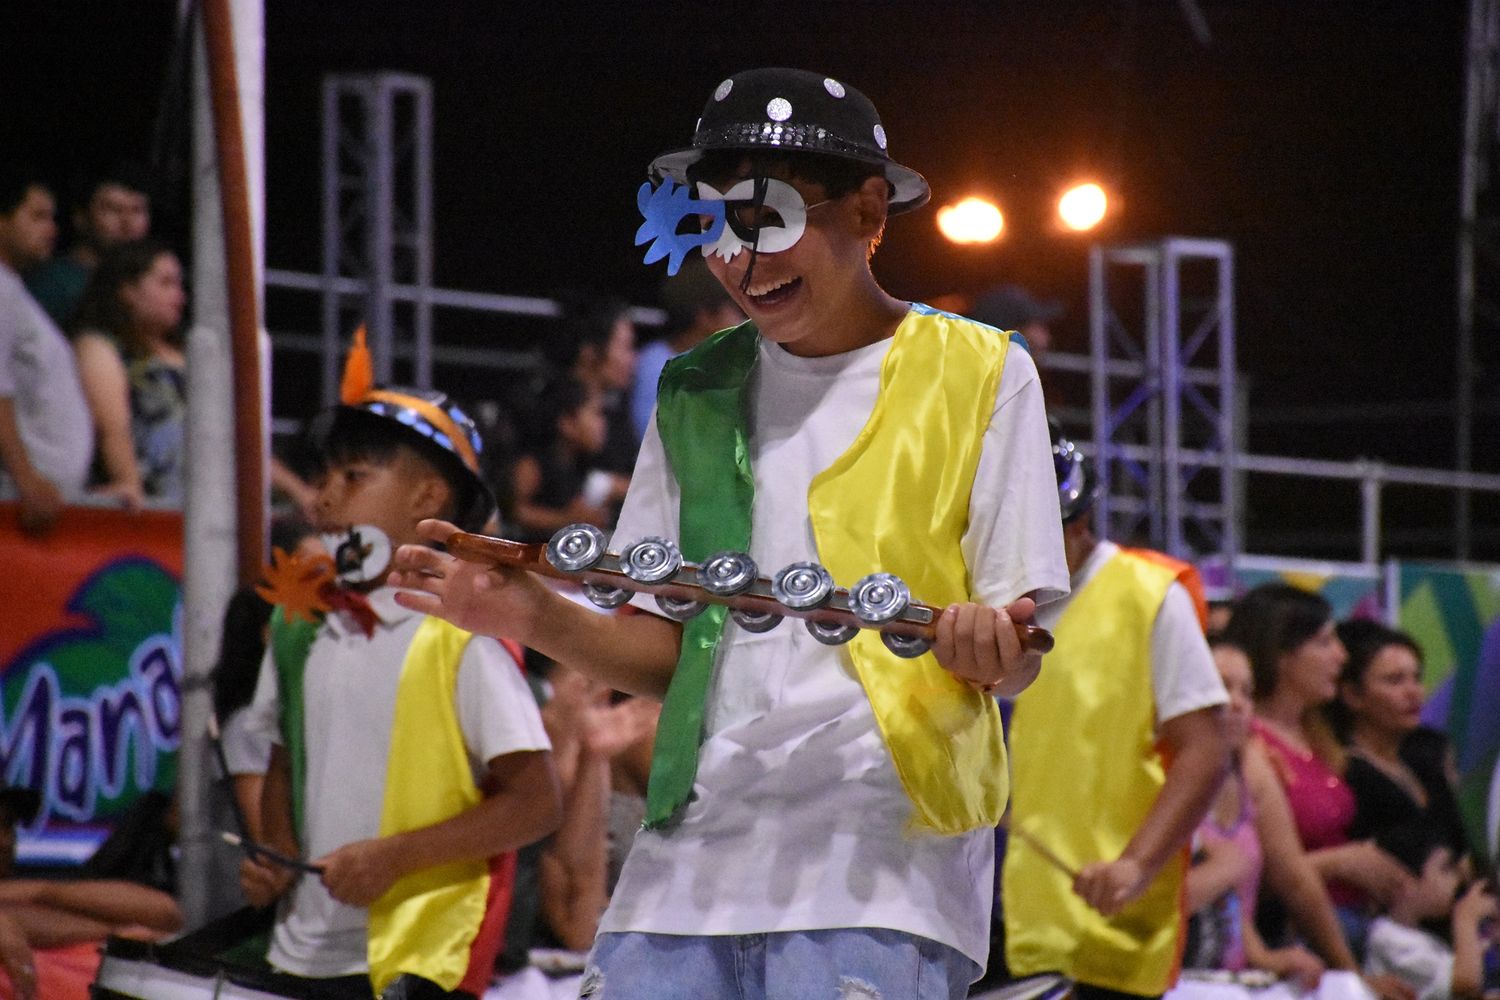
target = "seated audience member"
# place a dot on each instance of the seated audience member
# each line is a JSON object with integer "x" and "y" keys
{"x": 65, "y": 922}
{"x": 696, "y": 305}
{"x": 555, "y": 478}
{"x": 1296, "y": 657}
{"x": 46, "y": 436}
{"x": 127, "y": 336}
{"x": 1223, "y": 884}
{"x": 408, "y": 758}
{"x": 1399, "y": 944}
{"x": 109, "y": 208}
{"x": 1397, "y": 780}
{"x": 596, "y": 344}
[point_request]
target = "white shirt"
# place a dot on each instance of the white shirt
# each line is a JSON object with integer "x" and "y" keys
{"x": 349, "y": 698}
{"x": 1183, "y": 676}
{"x": 798, "y": 820}
{"x": 1413, "y": 955}
{"x": 39, "y": 376}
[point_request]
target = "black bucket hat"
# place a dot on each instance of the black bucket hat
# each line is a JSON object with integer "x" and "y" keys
{"x": 794, "y": 109}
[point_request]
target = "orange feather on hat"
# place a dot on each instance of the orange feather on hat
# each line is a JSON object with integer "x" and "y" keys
{"x": 359, "y": 371}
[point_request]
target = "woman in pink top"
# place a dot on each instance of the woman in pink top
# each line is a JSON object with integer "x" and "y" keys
{"x": 1295, "y": 656}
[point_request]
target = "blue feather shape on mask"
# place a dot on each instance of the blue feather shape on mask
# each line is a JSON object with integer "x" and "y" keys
{"x": 664, "y": 207}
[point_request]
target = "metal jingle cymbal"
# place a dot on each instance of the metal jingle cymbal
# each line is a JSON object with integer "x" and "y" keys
{"x": 680, "y": 609}
{"x": 576, "y": 548}
{"x": 755, "y": 621}
{"x": 831, "y": 634}
{"x": 725, "y": 574}
{"x": 650, "y": 560}
{"x": 908, "y": 647}
{"x": 879, "y": 598}
{"x": 605, "y": 596}
{"x": 802, "y": 586}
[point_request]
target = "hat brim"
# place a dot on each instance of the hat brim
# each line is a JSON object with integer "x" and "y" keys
{"x": 910, "y": 189}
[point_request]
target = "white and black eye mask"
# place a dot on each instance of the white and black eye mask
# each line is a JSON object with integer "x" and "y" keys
{"x": 360, "y": 555}
{"x": 761, "y": 213}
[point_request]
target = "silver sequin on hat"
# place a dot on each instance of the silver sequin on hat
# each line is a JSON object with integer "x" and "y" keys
{"x": 879, "y": 136}
{"x": 833, "y": 86}
{"x": 779, "y": 110}
{"x": 723, "y": 91}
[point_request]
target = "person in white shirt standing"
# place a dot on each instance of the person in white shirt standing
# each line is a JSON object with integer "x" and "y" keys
{"x": 819, "y": 816}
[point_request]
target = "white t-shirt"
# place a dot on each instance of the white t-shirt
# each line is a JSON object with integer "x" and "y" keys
{"x": 1416, "y": 957}
{"x": 38, "y": 374}
{"x": 798, "y": 820}
{"x": 1183, "y": 676}
{"x": 349, "y": 698}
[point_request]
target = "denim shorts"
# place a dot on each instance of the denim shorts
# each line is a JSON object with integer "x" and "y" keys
{"x": 841, "y": 964}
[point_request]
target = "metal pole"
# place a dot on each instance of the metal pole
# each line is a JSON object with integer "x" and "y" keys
{"x": 1099, "y": 386}
{"x": 1229, "y": 413}
{"x": 1152, "y": 376}
{"x": 333, "y": 239}
{"x": 1174, "y": 483}
{"x": 422, "y": 237}
{"x": 381, "y": 172}
{"x": 1369, "y": 534}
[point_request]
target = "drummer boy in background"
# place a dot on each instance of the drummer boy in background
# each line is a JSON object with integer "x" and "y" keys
{"x": 409, "y": 759}
{"x": 819, "y": 817}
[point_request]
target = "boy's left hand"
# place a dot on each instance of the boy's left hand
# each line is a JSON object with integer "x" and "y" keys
{"x": 978, "y": 645}
{"x": 1108, "y": 886}
{"x": 357, "y": 874}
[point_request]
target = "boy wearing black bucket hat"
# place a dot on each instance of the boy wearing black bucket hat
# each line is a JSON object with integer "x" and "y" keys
{"x": 819, "y": 816}
{"x": 409, "y": 761}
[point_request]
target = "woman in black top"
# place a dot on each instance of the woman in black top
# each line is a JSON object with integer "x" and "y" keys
{"x": 1399, "y": 770}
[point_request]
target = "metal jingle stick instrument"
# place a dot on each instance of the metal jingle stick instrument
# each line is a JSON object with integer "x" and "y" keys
{"x": 833, "y": 615}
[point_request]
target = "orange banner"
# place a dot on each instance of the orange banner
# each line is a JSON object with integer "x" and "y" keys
{"x": 90, "y": 657}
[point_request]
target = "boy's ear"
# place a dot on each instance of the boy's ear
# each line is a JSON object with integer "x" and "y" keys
{"x": 430, "y": 495}
{"x": 872, "y": 203}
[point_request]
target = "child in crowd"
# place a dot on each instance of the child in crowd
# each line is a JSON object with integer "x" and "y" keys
{"x": 1398, "y": 944}
{"x": 807, "y": 832}
{"x": 409, "y": 760}
{"x": 555, "y": 481}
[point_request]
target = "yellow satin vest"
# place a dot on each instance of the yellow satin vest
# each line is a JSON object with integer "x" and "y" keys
{"x": 1086, "y": 769}
{"x": 898, "y": 501}
{"x": 426, "y": 922}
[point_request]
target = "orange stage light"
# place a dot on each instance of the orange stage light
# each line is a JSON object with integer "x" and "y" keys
{"x": 971, "y": 220}
{"x": 1082, "y": 207}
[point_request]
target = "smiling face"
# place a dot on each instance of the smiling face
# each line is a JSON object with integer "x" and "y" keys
{"x": 1388, "y": 697}
{"x": 1311, "y": 670}
{"x": 798, "y": 295}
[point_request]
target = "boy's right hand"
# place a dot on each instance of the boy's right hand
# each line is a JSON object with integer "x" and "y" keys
{"x": 264, "y": 883}
{"x": 476, "y": 598}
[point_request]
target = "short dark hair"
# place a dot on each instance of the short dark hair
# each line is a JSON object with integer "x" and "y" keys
{"x": 127, "y": 174}
{"x": 837, "y": 175}
{"x": 587, "y": 321}
{"x": 16, "y": 182}
{"x": 1273, "y": 619}
{"x": 357, "y": 436}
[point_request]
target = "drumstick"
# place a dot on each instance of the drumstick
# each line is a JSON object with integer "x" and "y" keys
{"x": 1048, "y": 855}
{"x": 256, "y": 850}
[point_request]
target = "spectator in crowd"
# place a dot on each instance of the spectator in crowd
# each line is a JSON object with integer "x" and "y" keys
{"x": 46, "y": 436}
{"x": 110, "y": 208}
{"x": 696, "y": 306}
{"x": 1398, "y": 772}
{"x": 1399, "y": 943}
{"x": 64, "y": 923}
{"x": 555, "y": 478}
{"x": 408, "y": 760}
{"x": 1296, "y": 657}
{"x": 1130, "y": 708}
{"x": 128, "y": 340}
{"x": 596, "y": 344}
{"x": 1249, "y": 830}
{"x": 1011, "y": 307}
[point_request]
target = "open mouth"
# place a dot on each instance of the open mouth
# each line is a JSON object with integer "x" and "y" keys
{"x": 773, "y": 293}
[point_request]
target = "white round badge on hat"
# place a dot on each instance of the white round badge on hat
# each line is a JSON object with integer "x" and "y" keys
{"x": 360, "y": 555}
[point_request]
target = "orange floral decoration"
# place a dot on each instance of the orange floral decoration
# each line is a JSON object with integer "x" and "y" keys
{"x": 299, "y": 584}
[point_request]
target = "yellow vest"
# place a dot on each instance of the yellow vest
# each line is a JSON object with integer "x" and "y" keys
{"x": 1086, "y": 769}
{"x": 425, "y": 923}
{"x": 898, "y": 501}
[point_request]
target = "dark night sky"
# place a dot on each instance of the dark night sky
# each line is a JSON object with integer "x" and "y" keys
{"x": 1321, "y": 137}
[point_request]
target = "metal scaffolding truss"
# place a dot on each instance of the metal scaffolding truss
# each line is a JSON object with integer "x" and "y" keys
{"x": 377, "y": 221}
{"x": 1161, "y": 318}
